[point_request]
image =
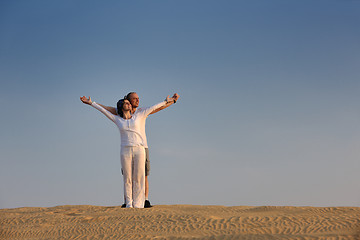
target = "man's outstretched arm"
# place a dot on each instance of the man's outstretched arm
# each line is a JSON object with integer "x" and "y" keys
{"x": 175, "y": 97}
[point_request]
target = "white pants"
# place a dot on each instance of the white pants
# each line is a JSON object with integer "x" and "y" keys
{"x": 133, "y": 166}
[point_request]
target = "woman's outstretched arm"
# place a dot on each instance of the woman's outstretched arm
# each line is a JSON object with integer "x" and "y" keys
{"x": 149, "y": 110}
{"x": 173, "y": 100}
{"x": 110, "y": 109}
{"x": 88, "y": 101}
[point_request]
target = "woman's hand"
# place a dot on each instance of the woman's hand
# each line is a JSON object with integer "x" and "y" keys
{"x": 86, "y": 100}
{"x": 174, "y": 98}
{"x": 168, "y": 99}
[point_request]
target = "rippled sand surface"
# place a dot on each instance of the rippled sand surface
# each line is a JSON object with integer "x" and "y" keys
{"x": 180, "y": 222}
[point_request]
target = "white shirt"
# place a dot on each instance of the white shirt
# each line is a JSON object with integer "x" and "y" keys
{"x": 132, "y": 131}
{"x": 142, "y": 125}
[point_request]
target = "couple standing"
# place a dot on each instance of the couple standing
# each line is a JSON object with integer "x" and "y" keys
{"x": 134, "y": 154}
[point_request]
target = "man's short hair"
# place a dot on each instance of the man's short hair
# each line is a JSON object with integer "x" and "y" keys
{"x": 128, "y": 95}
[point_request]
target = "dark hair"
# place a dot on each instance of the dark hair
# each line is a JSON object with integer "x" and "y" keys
{"x": 119, "y": 107}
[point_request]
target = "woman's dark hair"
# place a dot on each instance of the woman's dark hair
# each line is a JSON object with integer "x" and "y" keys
{"x": 119, "y": 107}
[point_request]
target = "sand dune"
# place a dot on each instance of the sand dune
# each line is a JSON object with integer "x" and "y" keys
{"x": 180, "y": 222}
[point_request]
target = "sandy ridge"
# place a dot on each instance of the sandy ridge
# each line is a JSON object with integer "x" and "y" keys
{"x": 180, "y": 222}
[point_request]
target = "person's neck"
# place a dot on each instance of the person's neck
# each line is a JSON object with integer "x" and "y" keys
{"x": 126, "y": 115}
{"x": 133, "y": 110}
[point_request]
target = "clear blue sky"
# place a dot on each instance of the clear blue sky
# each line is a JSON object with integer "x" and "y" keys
{"x": 268, "y": 111}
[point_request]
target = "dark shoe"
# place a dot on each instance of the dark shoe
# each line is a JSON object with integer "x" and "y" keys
{"x": 147, "y": 204}
{"x": 123, "y": 206}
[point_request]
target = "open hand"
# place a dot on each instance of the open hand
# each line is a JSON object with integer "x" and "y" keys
{"x": 175, "y": 96}
{"x": 168, "y": 99}
{"x": 86, "y": 100}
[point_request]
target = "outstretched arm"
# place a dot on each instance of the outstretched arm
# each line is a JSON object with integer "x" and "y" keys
{"x": 171, "y": 101}
{"x": 110, "y": 109}
{"x": 89, "y": 102}
{"x": 98, "y": 107}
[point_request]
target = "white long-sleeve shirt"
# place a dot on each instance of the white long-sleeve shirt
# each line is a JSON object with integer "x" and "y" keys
{"x": 142, "y": 125}
{"x": 132, "y": 131}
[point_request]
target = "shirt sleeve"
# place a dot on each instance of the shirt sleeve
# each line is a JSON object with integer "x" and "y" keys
{"x": 108, "y": 114}
{"x": 148, "y": 110}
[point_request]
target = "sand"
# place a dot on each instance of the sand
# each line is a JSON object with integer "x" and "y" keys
{"x": 180, "y": 222}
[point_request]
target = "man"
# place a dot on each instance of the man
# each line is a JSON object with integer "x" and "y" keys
{"x": 134, "y": 101}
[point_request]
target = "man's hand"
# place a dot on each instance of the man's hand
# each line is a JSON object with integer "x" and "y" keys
{"x": 172, "y": 99}
{"x": 175, "y": 96}
{"x": 86, "y": 100}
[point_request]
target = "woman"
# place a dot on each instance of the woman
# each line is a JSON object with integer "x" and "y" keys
{"x": 132, "y": 147}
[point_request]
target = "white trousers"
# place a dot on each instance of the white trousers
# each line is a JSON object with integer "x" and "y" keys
{"x": 133, "y": 166}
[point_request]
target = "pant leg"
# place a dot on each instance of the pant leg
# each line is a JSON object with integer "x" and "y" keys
{"x": 126, "y": 165}
{"x": 139, "y": 177}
